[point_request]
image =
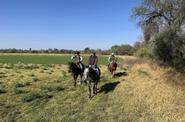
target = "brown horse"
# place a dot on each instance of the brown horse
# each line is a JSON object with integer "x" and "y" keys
{"x": 112, "y": 68}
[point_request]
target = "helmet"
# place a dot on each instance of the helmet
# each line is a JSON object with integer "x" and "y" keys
{"x": 112, "y": 53}
{"x": 77, "y": 52}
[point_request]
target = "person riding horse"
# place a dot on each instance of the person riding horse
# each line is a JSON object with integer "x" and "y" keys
{"x": 112, "y": 64}
{"x": 77, "y": 58}
{"x": 112, "y": 58}
{"x": 93, "y": 61}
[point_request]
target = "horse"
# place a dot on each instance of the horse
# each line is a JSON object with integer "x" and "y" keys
{"x": 75, "y": 71}
{"x": 91, "y": 77}
{"x": 112, "y": 67}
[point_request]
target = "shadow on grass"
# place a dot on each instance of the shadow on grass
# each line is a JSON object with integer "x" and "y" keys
{"x": 106, "y": 88}
{"x": 119, "y": 74}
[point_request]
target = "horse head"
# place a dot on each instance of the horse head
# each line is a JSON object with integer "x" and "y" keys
{"x": 85, "y": 74}
{"x": 69, "y": 67}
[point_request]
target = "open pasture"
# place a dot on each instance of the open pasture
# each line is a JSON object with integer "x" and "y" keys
{"x": 141, "y": 92}
{"x": 44, "y": 58}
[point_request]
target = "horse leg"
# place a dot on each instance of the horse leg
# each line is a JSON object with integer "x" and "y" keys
{"x": 89, "y": 90}
{"x": 94, "y": 88}
{"x": 81, "y": 75}
{"x": 75, "y": 78}
{"x": 79, "y": 81}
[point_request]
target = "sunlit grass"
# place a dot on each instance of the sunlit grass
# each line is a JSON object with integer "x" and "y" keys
{"x": 21, "y": 59}
{"x": 45, "y": 92}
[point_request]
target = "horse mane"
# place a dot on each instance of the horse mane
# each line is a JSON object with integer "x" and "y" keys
{"x": 71, "y": 63}
{"x": 73, "y": 67}
{"x": 92, "y": 73}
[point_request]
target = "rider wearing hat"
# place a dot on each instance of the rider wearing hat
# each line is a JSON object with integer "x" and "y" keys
{"x": 112, "y": 58}
{"x": 77, "y": 58}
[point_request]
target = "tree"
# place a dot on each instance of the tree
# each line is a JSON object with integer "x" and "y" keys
{"x": 155, "y": 15}
{"x": 124, "y": 49}
{"x": 87, "y": 50}
{"x": 163, "y": 24}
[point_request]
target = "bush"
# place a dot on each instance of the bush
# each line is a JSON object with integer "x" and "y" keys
{"x": 170, "y": 48}
{"x": 143, "y": 52}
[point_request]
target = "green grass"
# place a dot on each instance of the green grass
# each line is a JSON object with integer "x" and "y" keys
{"x": 52, "y": 98}
{"x": 42, "y": 59}
{"x": 44, "y": 92}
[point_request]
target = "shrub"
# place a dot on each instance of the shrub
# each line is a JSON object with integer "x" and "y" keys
{"x": 143, "y": 52}
{"x": 170, "y": 48}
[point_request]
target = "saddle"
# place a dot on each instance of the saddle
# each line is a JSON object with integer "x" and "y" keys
{"x": 95, "y": 69}
{"x": 80, "y": 65}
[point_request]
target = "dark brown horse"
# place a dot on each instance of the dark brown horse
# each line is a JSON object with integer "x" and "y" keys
{"x": 75, "y": 71}
{"x": 112, "y": 68}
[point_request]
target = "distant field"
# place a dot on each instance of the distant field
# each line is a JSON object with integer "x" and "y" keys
{"x": 43, "y": 59}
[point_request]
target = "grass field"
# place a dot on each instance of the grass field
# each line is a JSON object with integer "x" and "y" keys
{"x": 43, "y": 59}
{"x": 145, "y": 92}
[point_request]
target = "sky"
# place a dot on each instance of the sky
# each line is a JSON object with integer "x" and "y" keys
{"x": 67, "y": 24}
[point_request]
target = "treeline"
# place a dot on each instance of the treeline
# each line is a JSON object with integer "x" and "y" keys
{"x": 47, "y": 51}
{"x": 117, "y": 49}
{"x": 163, "y": 25}
{"x": 124, "y": 49}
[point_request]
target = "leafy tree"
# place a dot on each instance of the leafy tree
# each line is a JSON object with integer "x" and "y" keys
{"x": 87, "y": 50}
{"x": 122, "y": 49}
{"x": 156, "y": 15}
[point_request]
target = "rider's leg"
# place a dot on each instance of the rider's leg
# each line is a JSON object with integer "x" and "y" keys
{"x": 97, "y": 70}
{"x": 81, "y": 66}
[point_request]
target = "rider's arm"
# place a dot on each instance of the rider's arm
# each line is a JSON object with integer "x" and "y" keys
{"x": 72, "y": 57}
{"x": 109, "y": 59}
{"x": 90, "y": 58}
{"x": 96, "y": 62}
{"x": 116, "y": 59}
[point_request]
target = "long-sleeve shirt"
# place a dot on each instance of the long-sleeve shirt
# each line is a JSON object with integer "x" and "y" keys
{"x": 77, "y": 58}
{"x": 112, "y": 59}
{"x": 93, "y": 60}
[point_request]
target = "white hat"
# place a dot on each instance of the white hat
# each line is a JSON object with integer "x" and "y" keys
{"x": 112, "y": 53}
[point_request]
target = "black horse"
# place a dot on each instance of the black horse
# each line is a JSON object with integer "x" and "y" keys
{"x": 75, "y": 70}
{"x": 91, "y": 77}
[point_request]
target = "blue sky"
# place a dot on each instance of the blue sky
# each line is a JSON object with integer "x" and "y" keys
{"x": 67, "y": 24}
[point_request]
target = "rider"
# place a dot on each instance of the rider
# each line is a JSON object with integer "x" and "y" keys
{"x": 93, "y": 61}
{"x": 112, "y": 58}
{"x": 77, "y": 58}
